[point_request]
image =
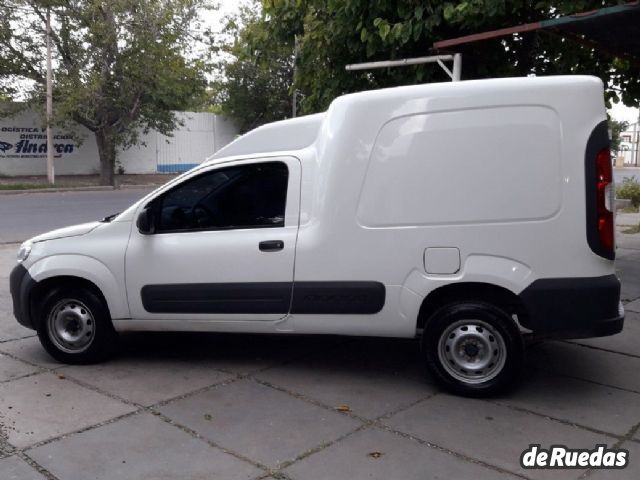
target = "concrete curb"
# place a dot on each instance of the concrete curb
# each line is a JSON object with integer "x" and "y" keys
{"x": 140, "y": 187}
{"x": 96, "y": 188}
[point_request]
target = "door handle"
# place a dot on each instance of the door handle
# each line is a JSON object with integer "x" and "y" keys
{"x": 271, "y": 245}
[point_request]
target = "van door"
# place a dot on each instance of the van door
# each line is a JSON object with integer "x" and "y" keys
{"x": 223, "y": 246}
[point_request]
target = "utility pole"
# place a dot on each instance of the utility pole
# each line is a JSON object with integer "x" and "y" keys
{"x": 295, "y": 103}
{"x": 294, "y": 107}
{"x": 636, "y": 130}
{"x": 50, "y": 170}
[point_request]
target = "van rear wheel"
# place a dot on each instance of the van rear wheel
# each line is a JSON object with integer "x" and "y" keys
{"x": 473, "y": 348}
{"x": 74, "y": 326}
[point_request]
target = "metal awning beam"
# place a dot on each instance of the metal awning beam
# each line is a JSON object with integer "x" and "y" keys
{"x": 594, "y": 29}
{"x": 476, "y": 37}
{"x": 454, "y": 73}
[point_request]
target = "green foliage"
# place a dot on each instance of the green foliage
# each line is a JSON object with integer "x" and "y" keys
{"x": 256, "y": 73}
{"x": 616, "y": 129}
{"x": 24, "y": 186}
{"x": 333, "y": 33}
{"x": 630, "y": 190}
{"x": 122, "y": 66}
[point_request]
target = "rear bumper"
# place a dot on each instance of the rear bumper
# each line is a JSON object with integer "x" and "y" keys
{"x": 20, "y": 285}
{"x": 573, "y": 307}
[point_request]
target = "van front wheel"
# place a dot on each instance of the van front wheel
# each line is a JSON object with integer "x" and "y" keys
{"x": 74, "y": 326}
{"x": 473, "y": 348}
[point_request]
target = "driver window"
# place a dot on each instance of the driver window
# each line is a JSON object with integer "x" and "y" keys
{"x": 246, "y": 196}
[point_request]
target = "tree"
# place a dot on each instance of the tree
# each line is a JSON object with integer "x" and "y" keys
{"x": 122, "y": 66}
{"x": 256, "y": 74}
{"x": 334, "y": 33}
{"x": 616, "y": 129}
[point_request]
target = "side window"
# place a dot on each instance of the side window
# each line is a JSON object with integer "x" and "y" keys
{"x": 247, "y": 196}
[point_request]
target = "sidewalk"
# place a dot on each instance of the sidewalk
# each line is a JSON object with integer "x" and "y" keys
{"x": 627, "y": 219}
{"x": 25, "y": 184}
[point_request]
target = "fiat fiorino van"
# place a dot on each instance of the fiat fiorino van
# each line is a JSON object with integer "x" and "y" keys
{"x": 466, "y": 214}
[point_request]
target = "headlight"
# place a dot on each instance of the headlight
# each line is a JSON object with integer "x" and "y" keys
{"x": 25, "y": 250}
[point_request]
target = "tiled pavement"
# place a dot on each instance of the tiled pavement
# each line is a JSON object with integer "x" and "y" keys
{"x": 176, "y": 406}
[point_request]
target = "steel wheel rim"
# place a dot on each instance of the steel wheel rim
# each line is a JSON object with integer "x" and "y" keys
{"x": 472, "y": 351}
{"x": 71, "y": 326}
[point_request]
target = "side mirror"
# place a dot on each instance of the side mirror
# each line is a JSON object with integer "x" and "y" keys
{"x": 145, "y": 222}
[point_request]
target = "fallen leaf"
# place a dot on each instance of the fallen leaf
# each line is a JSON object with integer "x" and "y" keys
{"x": 61, "y": 377}
{"x": 343, "y": 408}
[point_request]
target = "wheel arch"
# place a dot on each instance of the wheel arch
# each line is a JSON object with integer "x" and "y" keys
{"x": 43, "y": 287}
{"x": 457, "y": 292}
{"x": 84, "y": 271}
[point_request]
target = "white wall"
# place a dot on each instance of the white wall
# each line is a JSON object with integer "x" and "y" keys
{"x": 23, "y": 146}
{"x": 26, "y": 127}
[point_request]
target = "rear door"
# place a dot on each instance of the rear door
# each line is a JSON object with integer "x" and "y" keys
{"x": 224, "y": 245}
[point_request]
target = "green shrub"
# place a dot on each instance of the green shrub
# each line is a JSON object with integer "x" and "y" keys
{"x": 630, "y": 189}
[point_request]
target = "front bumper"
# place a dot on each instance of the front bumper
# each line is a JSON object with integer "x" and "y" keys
{"x": 573, "y": 307}
{"x": 20, "y": 285}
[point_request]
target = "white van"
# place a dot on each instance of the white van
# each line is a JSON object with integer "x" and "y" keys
{"x": 467, "y": 214}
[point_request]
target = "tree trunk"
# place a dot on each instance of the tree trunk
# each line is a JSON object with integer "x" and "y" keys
{"x": 107, "y": 154}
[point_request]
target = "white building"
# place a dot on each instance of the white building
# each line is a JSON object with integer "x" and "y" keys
{"x": 628, "y": 155}
{"x": 23, "y": 146}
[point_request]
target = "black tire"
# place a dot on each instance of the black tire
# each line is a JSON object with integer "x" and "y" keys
{"x": 63, "y": 306}
{"x": 477, "y": 335}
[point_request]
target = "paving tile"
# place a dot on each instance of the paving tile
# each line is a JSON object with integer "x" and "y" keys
{"x": 492, "y": 433}
{"x": 370, "y": 386}
{"x": 236, "y": 353}
{"x": 627, "y": 266}
{"x": 633, "y": 306}
{"x": 44, "y": 406}
{"x": 261, "y": 423}
{"x": 9, "y": 327}
{"x": 140, "y": 447}
{"x": 576, "y": 361}
{"x": 607, "y": 409}
{"x": 632, "y": 470}
{"x": 386, "y": 355}
{"x": 624, "y": 342}
{"x": 10, "y": 368}
{"x": 8, "y": 252}
{"x": 14, "y": 468}
{"x": 400, "y": 459}
{"x": 147, "y": 380}
{"x": 30, "y": 350}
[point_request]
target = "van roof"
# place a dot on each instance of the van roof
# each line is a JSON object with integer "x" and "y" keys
{"x": 298, "y": 133}
{"x": 292, "y": 134}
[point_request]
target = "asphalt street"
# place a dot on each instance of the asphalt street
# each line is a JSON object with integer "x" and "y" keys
{"x": 24, "y": 215}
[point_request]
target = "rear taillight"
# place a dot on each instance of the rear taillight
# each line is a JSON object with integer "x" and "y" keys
{"x": 599, "y": 192}
{"x": 605, "y": 199}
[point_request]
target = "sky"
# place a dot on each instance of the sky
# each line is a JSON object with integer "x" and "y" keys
{"x": 214, "y": 18}
{"x": 624, "y": 114}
